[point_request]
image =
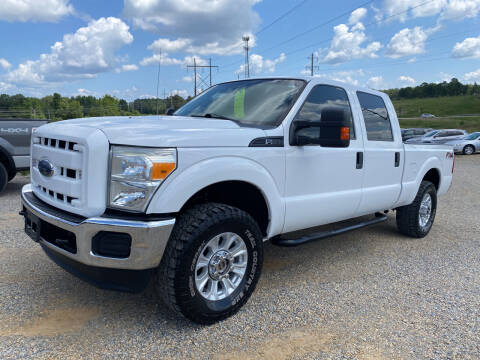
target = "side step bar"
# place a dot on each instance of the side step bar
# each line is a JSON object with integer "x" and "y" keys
{"x": 379, "y": 217}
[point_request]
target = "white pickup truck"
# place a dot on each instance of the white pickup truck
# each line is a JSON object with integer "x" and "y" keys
{"x": 191, "y": 198}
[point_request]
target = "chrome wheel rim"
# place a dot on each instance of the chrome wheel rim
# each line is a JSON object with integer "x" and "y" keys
{"x": 468, "y": 150}
{"x": 221, "y": 266}
{"x": 425, "y": 211}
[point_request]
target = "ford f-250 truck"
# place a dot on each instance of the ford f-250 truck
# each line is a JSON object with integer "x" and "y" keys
{"x": 191, "y": 198}
{"x": 15, "y": 137}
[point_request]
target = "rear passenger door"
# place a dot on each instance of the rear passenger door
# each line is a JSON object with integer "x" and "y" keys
{"x": 383, "y": 158}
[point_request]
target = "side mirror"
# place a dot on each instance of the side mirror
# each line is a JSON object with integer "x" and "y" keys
{"x": 333, "y": 130}
{"x": 170, "y": 111}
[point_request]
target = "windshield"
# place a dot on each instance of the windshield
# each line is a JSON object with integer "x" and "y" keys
{"x": 259, "y": 103}
{"x": 431, "y": 133}
{"x": 472, "y": 136}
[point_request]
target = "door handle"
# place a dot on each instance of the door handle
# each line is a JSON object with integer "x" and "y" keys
{"x": 359, "y": 160}
{"x": 397, "y": 159}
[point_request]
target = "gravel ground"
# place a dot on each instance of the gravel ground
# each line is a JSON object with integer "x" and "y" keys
{"x": 368, "y": 294}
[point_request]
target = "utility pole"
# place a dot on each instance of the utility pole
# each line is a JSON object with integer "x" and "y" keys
{"x": 312, "y": 67}
{"x": 246, "y": 39}
{"x": 158, "y": 77}
{"x": 201, "y": 80}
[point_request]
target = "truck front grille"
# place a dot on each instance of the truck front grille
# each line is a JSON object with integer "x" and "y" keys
{"x": 74, "y": 168}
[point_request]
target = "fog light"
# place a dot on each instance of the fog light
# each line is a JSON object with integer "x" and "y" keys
{"x": 112, "y": 244}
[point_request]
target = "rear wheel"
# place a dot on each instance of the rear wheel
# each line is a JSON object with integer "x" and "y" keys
{"x": 416, "y": 219}
{"x": 211, "y": 264}
{"x": 468, "y": 150}
{"x": 3, "y": 177}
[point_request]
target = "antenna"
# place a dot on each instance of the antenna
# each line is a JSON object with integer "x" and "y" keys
{"x": 246, "y": 39}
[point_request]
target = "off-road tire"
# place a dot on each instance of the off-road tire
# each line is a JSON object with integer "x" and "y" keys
{"x": 174, "y": 278}
{"x": 408, "y": 216}
{"x": 3, "y": 177}
{"x": 465, "y": 151}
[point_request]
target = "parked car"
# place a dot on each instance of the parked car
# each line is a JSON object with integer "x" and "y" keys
{"x": 427, "y": 116}
{"x": 468, "y": 145}
{"x": 439, "y": 136}
{"x": 15, "y": 137}
{"x": 191, "y": 198}
{"x": 414, "y": 132}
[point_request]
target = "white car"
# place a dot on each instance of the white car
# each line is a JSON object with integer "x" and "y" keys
{"x": 438, "y": 137}
{"x": 191, "y": 198}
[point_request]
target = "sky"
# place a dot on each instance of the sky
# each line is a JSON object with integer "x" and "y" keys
{"x": 91, "y": 47}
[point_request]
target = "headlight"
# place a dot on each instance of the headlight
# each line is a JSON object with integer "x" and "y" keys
{"x": 136, "y": 173}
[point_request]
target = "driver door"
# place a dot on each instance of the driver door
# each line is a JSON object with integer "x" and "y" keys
{"x": 323, "y": 184}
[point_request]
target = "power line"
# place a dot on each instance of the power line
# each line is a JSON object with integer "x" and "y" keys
{"x": 288, "y": 12}
{"x": 332, "y": 20}
{"x": 307, "y": 31}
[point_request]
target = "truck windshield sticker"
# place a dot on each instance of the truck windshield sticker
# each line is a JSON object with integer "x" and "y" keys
{"x": 239, "y": 104}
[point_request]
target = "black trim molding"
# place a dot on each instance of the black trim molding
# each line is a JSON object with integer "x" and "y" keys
{"x": 270, "y": 141}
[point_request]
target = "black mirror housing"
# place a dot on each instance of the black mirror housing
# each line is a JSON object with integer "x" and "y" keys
{"x": 333, "y": 130}
{"x": 170, "y": 111}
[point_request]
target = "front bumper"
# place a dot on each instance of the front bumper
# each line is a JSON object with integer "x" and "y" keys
{"x": 148, "y": 238}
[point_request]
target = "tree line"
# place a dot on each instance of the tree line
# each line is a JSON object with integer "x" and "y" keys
{"x": 56, "y": 107}
{"x": 452, "y": 88}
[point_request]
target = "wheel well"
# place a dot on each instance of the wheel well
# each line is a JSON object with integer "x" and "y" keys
{"x": 240, "y": 194}
{"x": 7, "y": 161}
{"x": 433, "y": 176}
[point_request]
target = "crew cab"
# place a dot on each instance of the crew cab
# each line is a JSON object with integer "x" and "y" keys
{"x": 15, "y": 137}
{"x": 191, "y": 198}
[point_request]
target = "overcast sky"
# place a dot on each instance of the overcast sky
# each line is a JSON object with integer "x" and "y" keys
{"x": 114, "y": 47}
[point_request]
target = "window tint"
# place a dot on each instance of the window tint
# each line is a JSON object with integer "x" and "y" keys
{"x": 321, "y": 97}
{"x": 456, "y": 133}
{"x": 444, "y": 134}
{"x": 376, "y": 118}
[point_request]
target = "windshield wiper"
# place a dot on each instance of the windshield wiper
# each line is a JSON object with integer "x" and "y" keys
{"x": 376, "y": 113}
{"x": 213, "y": 116}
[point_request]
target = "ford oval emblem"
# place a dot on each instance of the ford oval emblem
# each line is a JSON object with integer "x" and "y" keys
{"x": 46, "y": 168}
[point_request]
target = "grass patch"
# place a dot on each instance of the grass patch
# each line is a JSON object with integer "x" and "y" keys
{"x": 470, "y": 124}
{"x": 439, "y": 106}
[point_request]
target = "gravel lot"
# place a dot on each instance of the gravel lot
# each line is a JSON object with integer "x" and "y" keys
{"x": 367, "y": 294}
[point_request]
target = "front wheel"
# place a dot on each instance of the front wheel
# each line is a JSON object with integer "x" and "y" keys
{"x": 211, "y": 264}
{"x": 416, "y": 220}
{"x": 468, "y": 150}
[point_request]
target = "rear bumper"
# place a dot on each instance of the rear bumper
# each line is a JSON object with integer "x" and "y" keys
{"x": 71, "y": 237}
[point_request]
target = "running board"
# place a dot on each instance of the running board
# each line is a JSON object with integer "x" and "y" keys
{"x": 379, "y": 217}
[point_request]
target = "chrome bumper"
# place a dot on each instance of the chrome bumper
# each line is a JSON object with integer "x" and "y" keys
{"x": 149, "y": 238}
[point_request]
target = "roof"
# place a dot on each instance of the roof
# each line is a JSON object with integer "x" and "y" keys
{"x": 317, "y": 80}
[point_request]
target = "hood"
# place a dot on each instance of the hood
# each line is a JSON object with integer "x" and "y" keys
{"x": 164, "y": 131}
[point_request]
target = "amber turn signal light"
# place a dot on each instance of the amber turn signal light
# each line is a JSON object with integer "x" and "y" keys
{"x": 161, "y": 170}
{"x": 344, "y": 133}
